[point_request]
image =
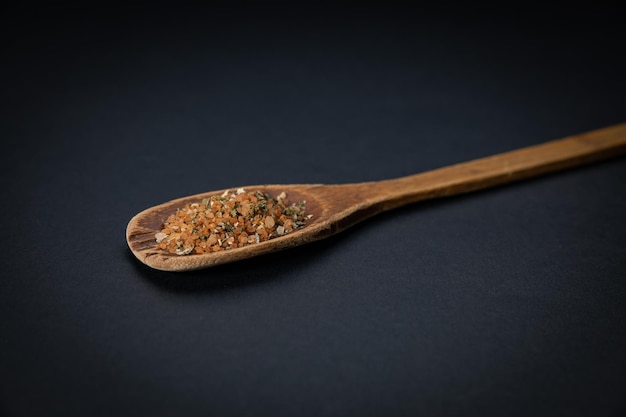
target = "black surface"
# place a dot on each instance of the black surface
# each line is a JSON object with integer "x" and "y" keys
{"x": 504, "y": 302}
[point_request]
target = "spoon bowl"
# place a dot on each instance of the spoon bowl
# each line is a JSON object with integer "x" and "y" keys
{"x": 335, "y": 208}
{"x": 332, "y": 208}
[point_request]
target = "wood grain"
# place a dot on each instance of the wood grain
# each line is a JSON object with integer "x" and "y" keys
{"x": 337, "y": 207}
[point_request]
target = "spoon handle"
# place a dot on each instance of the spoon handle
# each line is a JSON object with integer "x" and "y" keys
{"x": 502, "y": 168}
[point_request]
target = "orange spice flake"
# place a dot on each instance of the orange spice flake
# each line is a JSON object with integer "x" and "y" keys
{"x": 228, "y": 221}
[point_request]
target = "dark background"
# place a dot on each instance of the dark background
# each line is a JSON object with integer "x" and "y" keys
{"x": 505, "y": 302}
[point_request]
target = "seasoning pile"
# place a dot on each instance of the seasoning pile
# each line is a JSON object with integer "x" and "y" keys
{"x": 228, "y": 221}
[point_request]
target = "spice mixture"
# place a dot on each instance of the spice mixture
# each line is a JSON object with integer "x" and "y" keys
{"x": 230, "y": 220}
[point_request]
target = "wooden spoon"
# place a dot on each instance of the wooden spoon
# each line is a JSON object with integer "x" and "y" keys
{"x": 337, "y": 207}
